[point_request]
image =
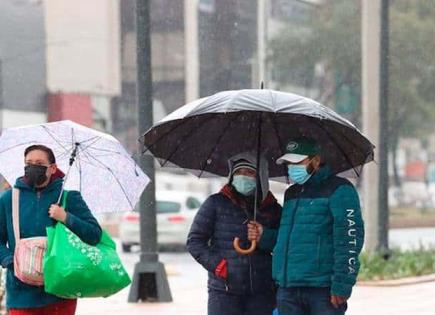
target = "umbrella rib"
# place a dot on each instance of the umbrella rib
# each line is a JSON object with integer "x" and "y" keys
{"x": 218, "y": 141}
{"x": 17, "y": 145}
{"x": 350, "y": 140}
{"x": 86, "y": 156}
{"x": 116, "y": 179}
{"x": 337, "y": 145}
{"x": 103, "y": 154}
{"x": 281, "y": 146}
{"x": 275, "y": 127}
{"x": 94, "y": 140}
{"x": 58, "y": 141}
{"x": 65, "y": 153}
{"x": 85, "y": 149}
{"x": 90, "y": 139}
{"x": 105, "y": 150}
{"x": 187, "y": 136}
{"x": 182, "y": 122}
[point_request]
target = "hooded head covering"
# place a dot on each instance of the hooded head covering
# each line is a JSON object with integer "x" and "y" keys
{"x": 249, "y": 160}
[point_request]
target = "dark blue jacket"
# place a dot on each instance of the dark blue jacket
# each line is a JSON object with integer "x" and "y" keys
{"x": 219, "y": 220}
{"x": 33, "y": 222}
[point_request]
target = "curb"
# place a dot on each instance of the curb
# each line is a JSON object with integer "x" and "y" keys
{"x": 397, "y": 282}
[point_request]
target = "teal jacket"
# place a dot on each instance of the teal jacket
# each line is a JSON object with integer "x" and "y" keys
{"x": 33, "y": 222}
{"x": 320, "y": 236}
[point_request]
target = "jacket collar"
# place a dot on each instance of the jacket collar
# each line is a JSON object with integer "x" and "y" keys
{"x": 55, "y": 184}
{"x": 321, "y": 174}
{"x": 229, "y": 192}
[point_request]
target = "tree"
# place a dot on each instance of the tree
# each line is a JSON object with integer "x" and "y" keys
{"x": 331, "y": 40}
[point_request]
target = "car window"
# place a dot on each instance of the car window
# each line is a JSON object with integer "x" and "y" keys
{"x": 192, "y": 203}
{"x": 167, "y": 206}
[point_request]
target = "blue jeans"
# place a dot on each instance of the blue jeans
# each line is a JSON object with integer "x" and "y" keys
{"x": 307, "y": 301}
{"x": 224, "y": 303}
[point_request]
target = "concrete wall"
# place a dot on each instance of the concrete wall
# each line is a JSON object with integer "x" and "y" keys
{"x": 16, "y": 118}
{"x": 22, "y": 57}
{"x": 83, "y": 46}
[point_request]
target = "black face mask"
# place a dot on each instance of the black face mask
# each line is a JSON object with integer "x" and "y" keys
{"x": 35, "y": 174}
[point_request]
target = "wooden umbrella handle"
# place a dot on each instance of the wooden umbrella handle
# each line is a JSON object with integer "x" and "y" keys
{"x": 236, "y": 244}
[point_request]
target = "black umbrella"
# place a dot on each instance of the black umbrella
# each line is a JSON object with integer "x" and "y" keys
{"x": 201, "y": 136}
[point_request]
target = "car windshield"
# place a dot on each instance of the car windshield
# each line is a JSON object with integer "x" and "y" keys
{"x": 168, "y": 207}
{"x": 193, "y": 203}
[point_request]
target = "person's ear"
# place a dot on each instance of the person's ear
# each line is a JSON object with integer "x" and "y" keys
{"x": 52, "y": 168}
{"x": 314, "y": 164}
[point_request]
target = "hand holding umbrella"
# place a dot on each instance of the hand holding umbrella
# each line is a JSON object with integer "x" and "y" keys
{"x": 255, "y": 231}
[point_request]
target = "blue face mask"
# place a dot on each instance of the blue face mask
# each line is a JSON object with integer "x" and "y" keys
{"x": 244, "y": 184}
{"x": 298, "y": 174}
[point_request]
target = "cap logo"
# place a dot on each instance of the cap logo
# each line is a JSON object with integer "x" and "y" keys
{"x": 291, "y": 146}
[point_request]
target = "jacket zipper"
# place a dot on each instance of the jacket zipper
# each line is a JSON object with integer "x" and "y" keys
{"x": 290, "y": 232}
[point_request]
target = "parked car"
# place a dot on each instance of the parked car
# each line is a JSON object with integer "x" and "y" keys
{"x": 175, "y": 212}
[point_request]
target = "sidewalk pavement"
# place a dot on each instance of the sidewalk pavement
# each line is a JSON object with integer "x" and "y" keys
{"x": 188, "y": 285}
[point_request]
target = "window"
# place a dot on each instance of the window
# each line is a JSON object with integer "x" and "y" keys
{"x": 192, "y": 203}
{"x": 167, "y": 207}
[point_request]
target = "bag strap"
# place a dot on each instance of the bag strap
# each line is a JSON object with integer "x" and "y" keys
{"x": 16, "y": 213}
{"x": 64, "y": 199}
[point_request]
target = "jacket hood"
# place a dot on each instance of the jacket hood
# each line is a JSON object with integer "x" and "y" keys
{"x": 322, "y": 173}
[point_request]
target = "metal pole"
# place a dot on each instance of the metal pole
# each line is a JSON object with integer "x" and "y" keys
{"x": 261, "y": 41}
{"x": 375, "y": 120}
{"x": 191, "y": 49}
{"x": 149, "y": 280}
{"x": 370, "y": 112}
{"x": 383, "y": 131}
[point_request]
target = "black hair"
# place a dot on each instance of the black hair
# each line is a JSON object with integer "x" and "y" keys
{"x": 50, "y": 154}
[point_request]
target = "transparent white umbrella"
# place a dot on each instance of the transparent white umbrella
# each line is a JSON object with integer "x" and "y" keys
{"x": 95, "y": 163}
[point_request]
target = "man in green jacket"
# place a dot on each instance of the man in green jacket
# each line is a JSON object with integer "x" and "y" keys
{"x": 321, "y": 233}
{"x": 40, "y": 188}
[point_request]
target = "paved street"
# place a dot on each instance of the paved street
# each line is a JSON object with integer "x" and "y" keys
{"x": 188, "y": 285}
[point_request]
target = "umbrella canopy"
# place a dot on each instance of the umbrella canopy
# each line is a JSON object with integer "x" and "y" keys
{"x": 202, "y": 135}
{"x": 103, "y": 171}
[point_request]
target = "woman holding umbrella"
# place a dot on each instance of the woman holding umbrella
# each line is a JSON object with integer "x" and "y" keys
{"x": 238, "y": 284}
{"x": 37, "y": 198}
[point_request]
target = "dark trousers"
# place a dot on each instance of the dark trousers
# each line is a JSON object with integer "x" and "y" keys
{"x": 224, "y": 303}
{"x": 307, "y": 301}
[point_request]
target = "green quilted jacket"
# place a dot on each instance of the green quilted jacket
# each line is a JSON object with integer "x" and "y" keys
{"x": 320, "y": 236}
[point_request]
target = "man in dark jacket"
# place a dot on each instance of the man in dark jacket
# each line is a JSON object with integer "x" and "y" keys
{"x": 39, "y": 191}
{"x": 316, "y": 248}
{"x": 238, "y": 284}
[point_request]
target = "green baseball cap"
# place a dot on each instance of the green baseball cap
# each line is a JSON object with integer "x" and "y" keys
{"x": 298, "y": 150}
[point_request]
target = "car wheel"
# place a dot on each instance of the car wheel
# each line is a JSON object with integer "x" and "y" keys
{"x": 126, "y": 248}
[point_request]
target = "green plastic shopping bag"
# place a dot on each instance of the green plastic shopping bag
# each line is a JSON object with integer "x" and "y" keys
{"x": 74, "y": 269}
